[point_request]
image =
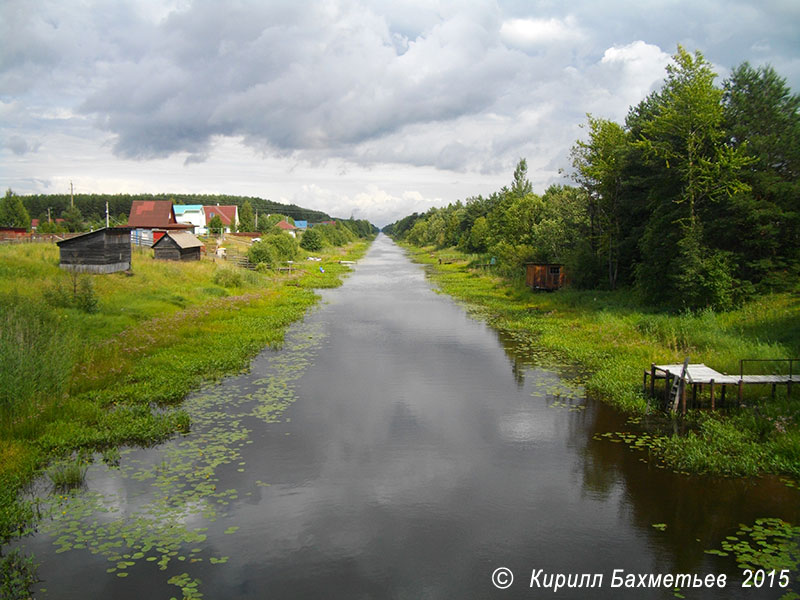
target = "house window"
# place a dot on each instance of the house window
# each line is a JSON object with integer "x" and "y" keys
{"x": 555, "y": 270}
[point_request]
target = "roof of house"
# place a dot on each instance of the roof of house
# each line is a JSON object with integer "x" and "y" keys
{"x": 300, "y": 224}
{"x": 183, "y": 239}
{"x": 150, "y": 214}
{"x": 226, "y": 213}
{"x": 285, "y": 225}
{"x": 182, "y": 208}
{"x": 122, "y": 230}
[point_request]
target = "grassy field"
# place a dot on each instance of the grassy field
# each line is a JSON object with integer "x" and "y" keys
{"x": 615, "y": 338}
{"x": 94, "y": 361}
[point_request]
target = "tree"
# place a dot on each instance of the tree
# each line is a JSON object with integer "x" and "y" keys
{"x": 762, "y": 117}
{"x": 246, "y": 217}
{"x": 12, "y": 211}
{"x": 73, "y": 219}
{"x": 683, "y": 140}
{"x": 312, "y": 241}
{"x": 215, "y": 225}
{"x": 599, "y": 166}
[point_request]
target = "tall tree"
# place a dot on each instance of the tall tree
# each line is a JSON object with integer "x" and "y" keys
{"x": 12, "y": 211}
{"x": 762, "y": 117}
{"x": 599, "y": 165}
{"x": 685, "y": 140}
{"x": 73, "y": 218}
{"x": 246, "y": 217}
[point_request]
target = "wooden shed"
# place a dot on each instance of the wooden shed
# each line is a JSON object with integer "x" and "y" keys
{"x": 106, "y": 250}
{"x": 174, "y": 245}
{"x": 545, "y": 276}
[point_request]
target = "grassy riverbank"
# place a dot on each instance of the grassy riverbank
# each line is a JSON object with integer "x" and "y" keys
{"x": 615, "y": 338}
{"x": 92, "y": 362}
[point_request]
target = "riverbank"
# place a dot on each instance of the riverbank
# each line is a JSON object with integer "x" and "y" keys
{"x": 93, "y": 362}
{"x": 614, "y": 338}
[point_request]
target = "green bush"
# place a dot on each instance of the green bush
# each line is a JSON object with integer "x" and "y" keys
{"x": 262, "y": 253}
{"x": 273, "y": 248}
{"x": 227, "y": 278}
{"x": 312, "y": 241}
{"x": 75, "y": 292}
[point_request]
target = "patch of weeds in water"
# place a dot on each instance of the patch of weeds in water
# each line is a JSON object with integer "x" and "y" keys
{"x": 68, "y": 473}
{"x": 111, "y": 457}
{"x": 189, "y": 587}
{"x": 17, "y": 575}
{"x": 571, "y": 404}
{"x": 768, "y": 544}
{"x": 659, "y": 526}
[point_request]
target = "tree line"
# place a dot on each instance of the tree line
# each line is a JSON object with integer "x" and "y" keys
{"x": 693, "y": 201}
{"x": 80, "y": 211}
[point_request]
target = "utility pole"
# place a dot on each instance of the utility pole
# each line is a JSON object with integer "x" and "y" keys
{"x": 49, "y": 220}
{"x": 256, "y": 225}
{"x": 71, "y": 196}
{"x": 106, "y": 213}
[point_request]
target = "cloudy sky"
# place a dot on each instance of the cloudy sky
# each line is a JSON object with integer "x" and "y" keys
{"x": 370, "y": 108}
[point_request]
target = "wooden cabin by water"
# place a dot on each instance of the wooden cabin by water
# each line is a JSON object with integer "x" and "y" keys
{"x": 106, "y": 250}
{"x": 545, "y": 276}
{"x": 175, "y": 245}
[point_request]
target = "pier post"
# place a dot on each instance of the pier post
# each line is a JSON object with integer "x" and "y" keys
{"x": 653, "y": 380}
{"x": 712, "y": 394}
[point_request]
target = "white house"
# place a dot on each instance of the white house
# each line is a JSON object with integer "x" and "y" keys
{"x": 191, "y": 214}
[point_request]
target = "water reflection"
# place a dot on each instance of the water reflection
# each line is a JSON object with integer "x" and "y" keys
{"x": 419, "y": 451}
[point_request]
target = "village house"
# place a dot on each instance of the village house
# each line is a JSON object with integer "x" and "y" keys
{"x": 178, "y": 245}
{"x": 228, "y": 214}
{"x": 287, "y": 227}
{"x": 191, "y": 214}
{"x": 150, "y": 219}
{"x": 106, "y": 250}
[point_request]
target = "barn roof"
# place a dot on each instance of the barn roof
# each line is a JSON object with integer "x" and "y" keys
{"x": 183, "y": 239}
{"x": 286, "y": 226}
{"x": 226, "y": 213}
{"x": 150, "y": 214}
{"x": 111, "y": 230}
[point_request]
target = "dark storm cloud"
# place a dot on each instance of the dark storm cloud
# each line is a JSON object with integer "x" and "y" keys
{"x": 327, "y": 77}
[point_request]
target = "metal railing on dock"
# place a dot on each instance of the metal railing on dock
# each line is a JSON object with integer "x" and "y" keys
{"x": 700, "y": 375}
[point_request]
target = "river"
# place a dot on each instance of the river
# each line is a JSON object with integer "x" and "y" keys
{"x": 394, "y": 447}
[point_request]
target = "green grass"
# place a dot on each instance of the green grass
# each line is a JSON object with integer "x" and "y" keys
{"x": 72, "y": 380}
{"x": 615, "y": 338}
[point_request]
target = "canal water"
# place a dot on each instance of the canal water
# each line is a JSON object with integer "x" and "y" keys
{"x": 396, "y": 447}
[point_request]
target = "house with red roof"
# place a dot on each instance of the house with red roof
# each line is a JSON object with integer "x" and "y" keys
{"x": 228, "y": 214}
{"x": 287, "y": 227}
{"x": 150, "y": 219}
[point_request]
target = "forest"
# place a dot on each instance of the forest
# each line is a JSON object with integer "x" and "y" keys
{"x": 692, "y": 202}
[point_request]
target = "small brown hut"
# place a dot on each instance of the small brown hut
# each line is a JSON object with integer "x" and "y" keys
{"x": 175, "y": 245}
{"x": 106, "y": 250}
{"x": 545, "y": 276}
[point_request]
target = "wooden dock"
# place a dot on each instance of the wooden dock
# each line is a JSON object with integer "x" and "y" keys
{"x": 678, "y": 377}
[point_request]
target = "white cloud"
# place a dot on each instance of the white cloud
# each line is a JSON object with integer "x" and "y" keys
{"x": 534, "y": 33}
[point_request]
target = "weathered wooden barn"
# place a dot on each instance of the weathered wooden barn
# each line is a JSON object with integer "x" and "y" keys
{"x": 106, "y": 250}
{"x": 175, "y": 245}
{"x": 545, "y": 276}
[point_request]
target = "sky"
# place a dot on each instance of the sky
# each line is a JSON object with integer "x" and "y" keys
{"x": 371, "y": 109}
